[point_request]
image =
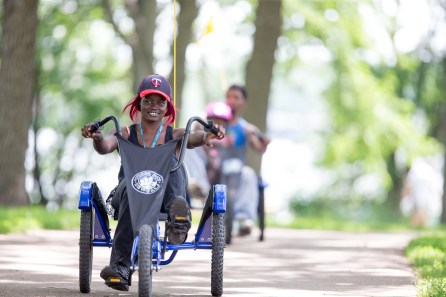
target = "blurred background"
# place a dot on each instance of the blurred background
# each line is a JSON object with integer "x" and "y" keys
{"x": 352, "y": 94}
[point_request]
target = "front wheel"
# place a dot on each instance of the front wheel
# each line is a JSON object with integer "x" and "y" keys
{"x": 145, "y": 261}
{"x": 86, "y": 250}
{"x": 218, "y": 245}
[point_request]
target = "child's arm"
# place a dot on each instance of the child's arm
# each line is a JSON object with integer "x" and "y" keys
{"x": 200, "y": 137}
{"x": 102, "y": 144}
{"x": 257, "y": 140}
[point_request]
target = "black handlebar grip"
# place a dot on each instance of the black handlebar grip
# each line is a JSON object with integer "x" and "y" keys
{"x": 211, "y": 128}
{"x": 93, "y": 129}
{"x": 214, "y": 130}
{"x": 96, "y": 125}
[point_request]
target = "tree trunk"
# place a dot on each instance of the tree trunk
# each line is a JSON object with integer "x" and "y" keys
{"x": 144, "y": 15}
{"x": 394, "y": 194}
{"x": 186, "y": 17}
{"x": 17, "y": 75}
{"x": 140, "y": 41}
{"x": 259, "y": 70}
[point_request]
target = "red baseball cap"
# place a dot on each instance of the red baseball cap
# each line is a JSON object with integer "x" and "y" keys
{"x": 155, "y": 84}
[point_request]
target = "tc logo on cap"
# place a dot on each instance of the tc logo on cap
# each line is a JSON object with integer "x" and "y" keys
{"x": 156, "y": 82}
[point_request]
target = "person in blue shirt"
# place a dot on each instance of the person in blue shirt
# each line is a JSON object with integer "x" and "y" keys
{"x": 240, "y": 135}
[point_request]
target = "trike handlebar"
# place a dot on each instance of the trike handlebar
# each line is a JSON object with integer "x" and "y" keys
{"x": 98, "y": 124}
{"x": 208, "y": 126}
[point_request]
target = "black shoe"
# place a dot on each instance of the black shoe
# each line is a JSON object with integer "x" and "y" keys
{"x": 116, "y": 277}
{"x": 179, "y": 221}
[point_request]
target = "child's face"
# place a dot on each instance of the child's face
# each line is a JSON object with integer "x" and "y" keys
{"x": 153, "y": 107}
{"x": 235, "y": 100}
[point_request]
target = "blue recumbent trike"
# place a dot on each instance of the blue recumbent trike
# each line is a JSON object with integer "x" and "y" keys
{"x": 151, "y": 249}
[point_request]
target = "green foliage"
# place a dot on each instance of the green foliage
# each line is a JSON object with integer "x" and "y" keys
{"x": 428, "y": 254}
{"x": 353, "y": 214}
{"x": 331, "y": 223}
{"x": 78, "y": 67}
{"x": 372, "y": 103}
{"x": 32, "y": 218}
{"x": 375, "y": 105}
{"x": 83, "y": 75}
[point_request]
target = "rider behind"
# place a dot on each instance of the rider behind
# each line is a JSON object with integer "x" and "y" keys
{"x": 241, "y": 135}
{"x": 203, "y": 163}
{"x": 153, "y": 104}
{"x": 219, "y": 113}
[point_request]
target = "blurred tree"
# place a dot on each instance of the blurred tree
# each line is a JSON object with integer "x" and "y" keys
{"x": 371, "y": 120}
{"x": 259, "y": 69}
{"x": 430, "y": 84}
{"x": 418, "y": 77}
{"x": 82, "y": 75}
{"x": 440, "y": 130}
{"x": 82, "y": 71}
{"x": 17, "y": 75}
{"x": 186, "y": 17}
{"x": 141, "y": 39}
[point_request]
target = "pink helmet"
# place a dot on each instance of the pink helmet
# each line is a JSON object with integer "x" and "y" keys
{"x": 219, "y": 110}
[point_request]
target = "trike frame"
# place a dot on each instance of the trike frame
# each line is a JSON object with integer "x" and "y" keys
{"x": 148, "y": 244}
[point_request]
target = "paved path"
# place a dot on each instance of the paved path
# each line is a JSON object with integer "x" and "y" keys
{"x": 289, "y": 263}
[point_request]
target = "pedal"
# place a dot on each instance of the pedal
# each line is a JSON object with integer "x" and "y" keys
{"x": 181, "y": 218}
{"x": 114, "y": 280}
{"x": 117, "y": 283}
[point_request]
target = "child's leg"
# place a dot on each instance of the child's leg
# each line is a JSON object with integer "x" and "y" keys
{"x": 246, "y": 202}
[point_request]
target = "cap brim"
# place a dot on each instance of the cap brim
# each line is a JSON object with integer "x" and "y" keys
{"x": 149, "y": 91}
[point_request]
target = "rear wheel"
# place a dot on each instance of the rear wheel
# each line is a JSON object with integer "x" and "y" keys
{"x": 86, "y": 250}
{"x": 218, "y": 245}
{"x": 145, "y": 261}
{"x": 261, "y": 212}
{"x": 229, "y": 221}
{"x": 232, "y": 182}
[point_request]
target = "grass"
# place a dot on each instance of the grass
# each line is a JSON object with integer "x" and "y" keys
{"x": 21, "y": 219}
{"x": 331, "y": 223}
{"x": 428, "y": 255}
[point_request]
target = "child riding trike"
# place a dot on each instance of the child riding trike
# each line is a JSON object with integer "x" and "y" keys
{"x": 150, "y": 247}
{"x": 150, "y": 183}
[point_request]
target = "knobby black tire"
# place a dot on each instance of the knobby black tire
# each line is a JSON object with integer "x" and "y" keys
{"x": 232, "y": 182}
{"x": 145, "y": 261}
{"x": 85, "y": 250}
{"x": 261, "y": 214}
{"x": 229, "y": 221}
{"x": 218, "y": 245}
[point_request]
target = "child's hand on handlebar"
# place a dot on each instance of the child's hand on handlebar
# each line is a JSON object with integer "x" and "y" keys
{"x": 97, "y": 135}
{"x": 209, "y": 136}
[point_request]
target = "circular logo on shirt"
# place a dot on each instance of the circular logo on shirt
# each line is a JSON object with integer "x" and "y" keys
{"x": 147, "y": 182}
